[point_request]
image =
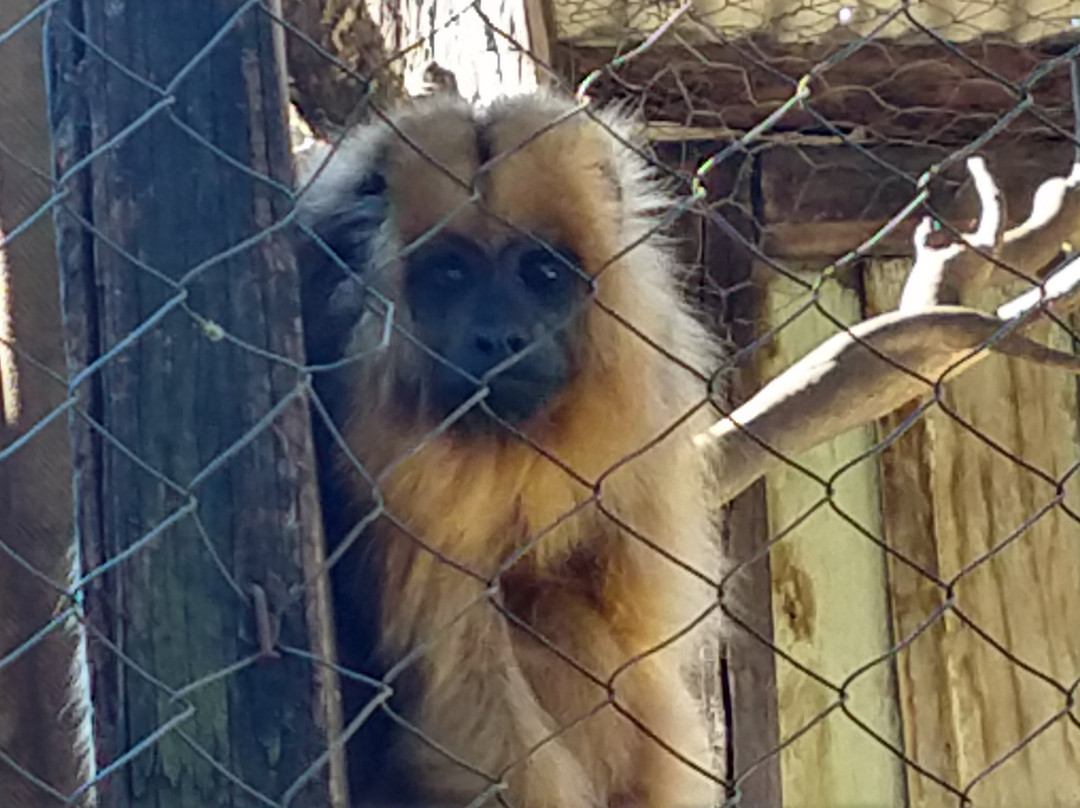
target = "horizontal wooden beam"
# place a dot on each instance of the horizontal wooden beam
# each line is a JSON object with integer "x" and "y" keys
{"x": 827, "y": 200}
{"x": 924, "y": 92}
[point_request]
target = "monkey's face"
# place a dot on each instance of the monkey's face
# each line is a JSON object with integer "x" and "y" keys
{"x": 489, "y": 231}
{"x": 500, "y": 322}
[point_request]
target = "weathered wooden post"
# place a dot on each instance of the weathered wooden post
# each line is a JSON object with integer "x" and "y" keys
{"x": 193, "y": 466}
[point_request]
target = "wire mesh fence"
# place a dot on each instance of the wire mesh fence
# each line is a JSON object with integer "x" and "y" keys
{"x": 893, "y": 622}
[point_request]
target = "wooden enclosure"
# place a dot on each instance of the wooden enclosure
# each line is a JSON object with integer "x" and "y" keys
{"x": 922, "y": 644}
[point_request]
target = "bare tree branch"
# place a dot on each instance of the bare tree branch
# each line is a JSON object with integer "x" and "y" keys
{"x": 874, "y": 367}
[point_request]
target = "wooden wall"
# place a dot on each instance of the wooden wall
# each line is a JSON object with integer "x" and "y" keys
{"x": 971, "y": 497}
{"x": 923, "y": 640}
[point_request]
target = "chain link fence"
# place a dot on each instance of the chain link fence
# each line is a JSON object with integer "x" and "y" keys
{"x": 900, "y": 594}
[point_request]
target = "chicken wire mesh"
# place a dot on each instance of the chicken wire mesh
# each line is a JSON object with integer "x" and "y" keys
{"x": 899, "y": 601}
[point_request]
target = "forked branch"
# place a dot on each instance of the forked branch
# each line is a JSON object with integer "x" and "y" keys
{"x": 874, "y": 367}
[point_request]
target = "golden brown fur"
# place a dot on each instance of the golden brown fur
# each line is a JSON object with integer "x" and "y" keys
{"x": 490, "y": 692}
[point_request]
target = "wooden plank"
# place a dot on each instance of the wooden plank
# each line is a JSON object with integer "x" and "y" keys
{"x": 830, "y": 609}
{"x": 821, "y": 200}
{"x": 733, "y": 300}
{"x": 740, "y": 697}
{"x": 930, "y": 738}
{"x": 827, "y": 200}
{"x": 834, "y": 23}
{"x": 35, "y": 481}
{"x": 751, "y": 663}
{"x": 737, "y": 83}
{"x": 1024, "y": 598}
{"x": 198, "y": 424}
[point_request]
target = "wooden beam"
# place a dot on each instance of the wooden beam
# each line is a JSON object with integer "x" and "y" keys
{"x": 754, "y": 723}
{"x": 724, "y": 292}
{"x": 203, "y": 485}
{"x": 736, "y": 84}
{"x": 817, "y": 198}
{"x": 907, "y": 505}
{"x": 826, "y": 200}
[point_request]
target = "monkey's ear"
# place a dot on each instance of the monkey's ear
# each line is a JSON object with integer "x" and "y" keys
{"x": 332, "y": 259}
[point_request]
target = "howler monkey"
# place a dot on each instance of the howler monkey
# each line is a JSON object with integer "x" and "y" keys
{"x": 511, "y": 372}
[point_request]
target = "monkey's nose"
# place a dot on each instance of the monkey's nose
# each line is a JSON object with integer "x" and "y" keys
{"x": 500, "y": 344}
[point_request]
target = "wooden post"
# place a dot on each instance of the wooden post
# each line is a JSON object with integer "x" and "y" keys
{"x": 830, "y": 603}
{"x": 36, "y": 735}
{"x": 750, "y": 663}
{"x": 195, "y": 478}
{"x": 739, "y": 671}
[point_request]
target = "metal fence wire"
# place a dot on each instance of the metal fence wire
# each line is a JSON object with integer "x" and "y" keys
{"x": 900, "y": 603}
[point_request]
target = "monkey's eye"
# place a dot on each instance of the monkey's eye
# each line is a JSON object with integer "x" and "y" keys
{"x": 544, "y": 272}
{"x": 451, "y": 273}
{"x": 446, "y": 270}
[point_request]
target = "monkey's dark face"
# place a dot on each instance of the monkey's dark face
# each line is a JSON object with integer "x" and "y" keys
{"x": 505, "y": 317}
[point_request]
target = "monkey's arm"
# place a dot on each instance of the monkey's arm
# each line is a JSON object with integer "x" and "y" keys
{"x": 869, "y": 370}
{"x": 477, "y": 713}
